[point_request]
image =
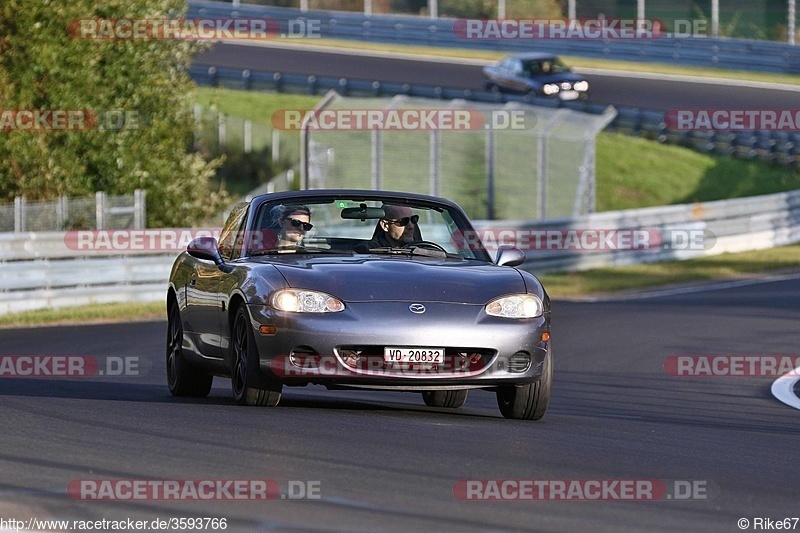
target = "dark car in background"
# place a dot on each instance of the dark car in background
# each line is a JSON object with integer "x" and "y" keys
{"x": 540, "y": 74}
{"x": 437, "y": 316}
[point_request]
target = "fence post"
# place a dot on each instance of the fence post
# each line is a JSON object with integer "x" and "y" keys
{"x": 248, "y": 132}
{"x": 541, "y": 176}
{"x": 139, "y": 209}
{"x": 377, "y": 159}
{"x": 198, "y": 123}
{"x": 435, "y": 163}
{"x": 222, "y": 139}
{"x": 276, "y": 145}
{"x": 19, "y": 214}
{"x": 62, "y": 212}
{"x": 100, "y": 210}
{"x": 490, "y": 153}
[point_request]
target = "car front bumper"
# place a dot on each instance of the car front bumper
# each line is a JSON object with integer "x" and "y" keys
{"x": 481, "y": 351}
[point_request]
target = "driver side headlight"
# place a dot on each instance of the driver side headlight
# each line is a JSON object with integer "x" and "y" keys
{"x": 581, "y": 86}
{"x": 305, "y": 301}
{"x": 516, "y": 306}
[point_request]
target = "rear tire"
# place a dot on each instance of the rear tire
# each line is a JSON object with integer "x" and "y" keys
{"x": 183, "y": 379}
{"x": 452, "y": 399}
{"x": 528, "y": 402}
{"x": 249, "y": 385}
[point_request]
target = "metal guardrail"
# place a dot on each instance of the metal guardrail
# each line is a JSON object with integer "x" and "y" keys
{"x": 735, "y": 54}
{"x": 779, "y": 147}
{"x": 37, "y": 270}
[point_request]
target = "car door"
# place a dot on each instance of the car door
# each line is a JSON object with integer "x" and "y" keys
{"x": 205, "y": 296}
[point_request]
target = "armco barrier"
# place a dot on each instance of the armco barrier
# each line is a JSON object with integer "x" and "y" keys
{"x": 736, "y": 54}
{"x": 40, "y": 270}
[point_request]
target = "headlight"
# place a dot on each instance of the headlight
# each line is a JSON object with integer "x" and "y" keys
{"x": 516, "y": 306}
{"x": 550, "y": 88}
{"x": 581, "y": 86}
{"x": 566, "y": 86}
{"x": 302, "y": 301}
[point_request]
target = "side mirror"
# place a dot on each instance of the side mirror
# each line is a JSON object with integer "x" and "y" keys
{"x": 509, "y": 255}
{"x": 205, "y": 248}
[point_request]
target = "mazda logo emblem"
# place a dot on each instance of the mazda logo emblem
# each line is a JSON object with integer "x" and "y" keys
{"x": 416, "y": 308}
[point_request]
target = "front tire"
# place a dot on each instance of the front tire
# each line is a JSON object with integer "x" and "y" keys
{"x": 183, "y": 379}
{"x": 452, "y": 399}
{"x": 530, "y": 401}
{"x": 250, "y": 386}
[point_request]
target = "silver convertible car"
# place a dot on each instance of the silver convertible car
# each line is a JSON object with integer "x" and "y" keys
{"x": 357, "y": 289}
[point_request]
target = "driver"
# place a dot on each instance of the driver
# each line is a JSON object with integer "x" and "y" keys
{"x": 397, "y": 228}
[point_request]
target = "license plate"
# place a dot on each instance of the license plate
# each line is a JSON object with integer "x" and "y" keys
{"x": 398, "y": 354}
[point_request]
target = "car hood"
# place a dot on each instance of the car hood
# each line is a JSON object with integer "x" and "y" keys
{"x": 368, "y": 279}
{"x": 559, "y": 77}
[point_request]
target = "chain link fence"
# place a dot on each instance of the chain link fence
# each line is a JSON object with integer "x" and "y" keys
{"x": 544, "y": 167}
{"x": 64, "y": 214}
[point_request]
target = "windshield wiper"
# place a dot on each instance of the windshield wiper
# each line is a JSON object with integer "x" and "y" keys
{"x": 413, "y": 250}
{"x": 301, "y": 250}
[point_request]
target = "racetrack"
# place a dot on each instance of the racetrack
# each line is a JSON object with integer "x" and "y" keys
{"x": 386, "y": 462}
{"x": 619, "y": 89}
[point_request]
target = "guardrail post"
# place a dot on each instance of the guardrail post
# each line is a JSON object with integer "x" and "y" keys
{"x": 19, "y": 214}
{"x": 100, "y": 209}
{"x": 246, "y": 79}
{"x": 490, "y": 154}
{"x": 212, "y": 75}
{"x": 139, "y": 209}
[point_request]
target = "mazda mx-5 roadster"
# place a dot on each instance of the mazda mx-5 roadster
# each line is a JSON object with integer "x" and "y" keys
{"x": 357, "y": 289}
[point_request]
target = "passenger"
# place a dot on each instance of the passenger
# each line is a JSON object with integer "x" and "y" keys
{"x": 293, "y": 222}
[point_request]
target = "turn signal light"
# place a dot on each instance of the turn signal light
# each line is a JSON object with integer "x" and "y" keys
{"x": 546, "y": 336}
{"x": 268, "y": 330}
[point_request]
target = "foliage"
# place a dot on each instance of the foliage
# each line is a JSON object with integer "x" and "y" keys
{"x": 44, "y": 67}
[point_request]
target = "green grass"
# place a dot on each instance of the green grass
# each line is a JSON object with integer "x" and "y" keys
{"x": 87, "y": 314}
{"x": 726, "y": 266}
{"x": 634, "y": 172}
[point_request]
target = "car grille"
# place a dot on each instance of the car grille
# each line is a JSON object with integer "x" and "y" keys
{"x": 457, "y": 361}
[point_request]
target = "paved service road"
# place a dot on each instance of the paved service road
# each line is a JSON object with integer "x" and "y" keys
{"x": 384, "y": 461}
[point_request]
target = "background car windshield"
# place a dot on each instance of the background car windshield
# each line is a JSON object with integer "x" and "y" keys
{"x": 547, "y": 66}
{"x": 331, "y": 231}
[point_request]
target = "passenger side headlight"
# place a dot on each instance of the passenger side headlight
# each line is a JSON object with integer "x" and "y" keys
{"x": 304, "y": 301}
{"x": 516, "y": 306}
{"x": 550, "y": 88}
{"x": 581, "y": 86}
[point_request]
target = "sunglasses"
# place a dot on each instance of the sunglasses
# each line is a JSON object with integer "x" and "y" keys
{"x": 404, "y": 221}
{"x": 298, "y": 223}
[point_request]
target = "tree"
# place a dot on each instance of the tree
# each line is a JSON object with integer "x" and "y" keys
{"x": 145, "y": 82}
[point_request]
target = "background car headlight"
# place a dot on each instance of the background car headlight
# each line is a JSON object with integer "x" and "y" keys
{"x": 550, "y": 88}
{"x": 516, "y": 306}
{"x": 581, "y": 86}
{"x": 303, "y": 301}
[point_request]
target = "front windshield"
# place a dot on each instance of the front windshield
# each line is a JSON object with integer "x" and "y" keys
{"x": 544, "y": 66}
{"x": 358, "y": 226}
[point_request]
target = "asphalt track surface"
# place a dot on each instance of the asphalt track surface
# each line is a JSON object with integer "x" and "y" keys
{"x": 609, "y": 89}
{"x": 385, "y": 462}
